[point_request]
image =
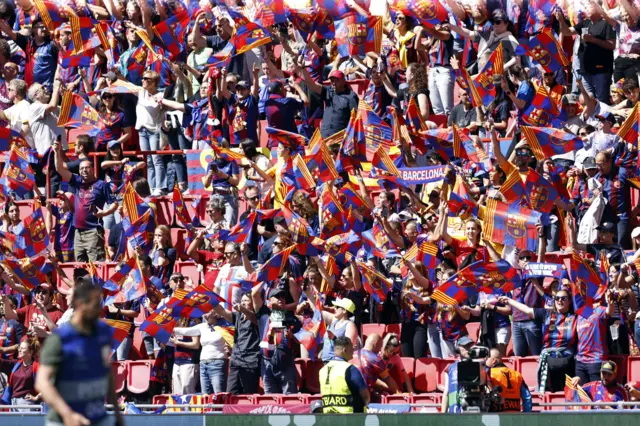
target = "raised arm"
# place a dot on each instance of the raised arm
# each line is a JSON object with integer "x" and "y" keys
{"x": 527, "y": 310}
{"x": 61, "y": 165}
{"x": 317, "y": 88}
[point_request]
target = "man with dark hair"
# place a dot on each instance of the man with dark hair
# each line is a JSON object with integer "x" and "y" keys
{"x": 75, "y": 375}
{"x": 343, "y": 388}
{"x": 91, "y": 196}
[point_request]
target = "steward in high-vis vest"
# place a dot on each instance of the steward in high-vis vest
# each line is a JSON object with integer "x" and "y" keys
{"x": 514, "y": 391}
{"x": 75, "y": 377}
{"x": 343, "y": 388}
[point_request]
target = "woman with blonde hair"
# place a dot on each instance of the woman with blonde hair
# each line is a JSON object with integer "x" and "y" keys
{"x": 415, "y": 311}
{"x": 163, "y": 254}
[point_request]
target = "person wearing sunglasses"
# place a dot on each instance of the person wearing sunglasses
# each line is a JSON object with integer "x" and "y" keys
{"x": 237, "y": 268}
{"x": 559, "y": 338}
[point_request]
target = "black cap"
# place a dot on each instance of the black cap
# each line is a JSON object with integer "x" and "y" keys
{"x": 277, "y": 293}
{"x": 589, "y": 163}
{"x": 606, "y": 227}
{"x": 275, "y": 87}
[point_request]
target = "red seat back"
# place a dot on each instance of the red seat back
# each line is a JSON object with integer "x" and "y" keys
{"x": 312, "y": 375}
{"x": 473, "y": 328}
{"x": 409, "y": 365}
{"x": 426, "y": 398}
{"x": 426, "y": 374}
{"x": 393, "y": 328}
{"x": 139, "y": 376}
{"x": 633, "y": 369}
{"x": 554, "y": 397}
{"x": 528, "y": 367}
{"x": 369, "y": 329}
{"x": 442, "y": 371}
{"x": 189, "y": 269}
{"x": 119, "y": 369}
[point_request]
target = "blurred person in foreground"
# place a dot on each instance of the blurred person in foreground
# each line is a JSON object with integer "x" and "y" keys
{"x": 74, "y": 377}
{"x": 513, "y": 389}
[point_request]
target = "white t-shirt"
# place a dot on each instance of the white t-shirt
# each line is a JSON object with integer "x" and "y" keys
{"x": 19, "y": 115}
{"x": 211, "y": 341}
{"x": 228, "y": 280}
{"x": 148, "y": 112}
{"x": 44, "y": 128}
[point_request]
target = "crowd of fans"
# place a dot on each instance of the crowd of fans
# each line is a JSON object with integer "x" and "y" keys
{"x": 299, "y": 84}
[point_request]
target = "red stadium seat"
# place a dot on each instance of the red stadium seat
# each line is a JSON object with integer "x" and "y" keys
{"x": 528, "y": 367}
{"x": 508, "y": 362}
{"x": 537, "y": 398}
{"x": 295, "y": 398}
{"x": 369, "y": 329}
{"x": 218, "y": 398}
{"x": 311, "y": 398}
{"x": 393, "y": 328}
{"x": 621, "y": 361}
{"x": 400, "y": 398}
{"x": 68, "y": 269}
{"x": 119, "y": 369}
{"x": 409, "y": 365}
{"x": 311, "y": 375}
{"x": 554, "y": 397}
{"x": 179, "y": 242}
{"x": 473, "y": 328}
{"x": 164, "y": 211}
{"x": 160, "y": 399}
{"x": 109, "y": 269}
{"x": 633, "y": 369}
{"x": 427, "y": 398}
{"x": 268, "y": 399}
{"x": 442, "y": 371}
{"x": 510, "y": 348}
{"x": 138, "y": 376}
{"x": 241, "y": 399}
{"x": 189, "y": 269}
{"x": 426, "y": 374}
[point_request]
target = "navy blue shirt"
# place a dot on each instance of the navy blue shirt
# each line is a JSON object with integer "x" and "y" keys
{"x": 88, "y": 198}
{"x": 228, "y": 167}
{"x": 337, "y": 110}
{"x": 281, "y": 112}
{"x": 42, "y": 60}
{"x": 243, "y": 119}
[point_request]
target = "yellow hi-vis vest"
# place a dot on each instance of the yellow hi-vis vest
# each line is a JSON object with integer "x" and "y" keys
{"x": 336, "y": 396}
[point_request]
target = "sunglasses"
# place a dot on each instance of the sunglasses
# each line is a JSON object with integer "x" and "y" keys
{"x": 562, "y": 298}
{"x": 277, "y": 243}
{"x": 178, "y": 279}
{"x": 527, "y": 258}
{"x": 583, "y": 134}
{"x": 522, "y": 153}
{"x": 256, "y": 198}
{"x": 499, "y": 21}
{"x": 229, "y": 253}
{"x": 146, "y": 78}
{"x": 429, "y": 218}
{"x": 106, "y": 97}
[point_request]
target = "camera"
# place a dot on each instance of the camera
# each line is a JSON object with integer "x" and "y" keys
{"x": 473, "y": 393}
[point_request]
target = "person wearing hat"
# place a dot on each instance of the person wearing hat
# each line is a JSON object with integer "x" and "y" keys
{"x": 32, "y": 316}
{"x": 116, "y": 126}
{"x": 338, "y": 98}
{"x": 340, "y": 326}
{"x": 584, "y": 195}
{"x": 607, "y": 243}
{"x": 342, "y": 386}
{"x": 282, "y": 108}
{"x": 450, "y": 396}
{"x": 242, "y": 108}
{"x": 277, "y": 323}
{"x": 607, "y": 389}
{"x": 574, "y": 120}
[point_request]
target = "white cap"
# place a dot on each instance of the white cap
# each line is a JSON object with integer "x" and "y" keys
{"x": 636, "y": 232}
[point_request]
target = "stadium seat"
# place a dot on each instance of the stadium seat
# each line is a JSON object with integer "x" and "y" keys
{"x": 179, "y": 241}
{"x": 138, "y": 349}
{"x": 189, "y": 269}
{"x": 241, "y": 400}
{"x": 160, "y": 399}
{"x": 311, "y": 398}
{"x": 273, "y": 398}
{"x": 218, "y": 398}
{"x": 138, "y": 376}
{"x": 633, "y": 369}
{"x": 119, "y": 369}
{"x": 164, "y": 211}
{"x": 537, "y": 398}
{"x": 109, "y": 269}
{"x": 510, "y": 348}
{"x": 442, "y": 371}
{"x": 295, "y": 398}
{"x": 528, "y": 367}
{"x": 621, "y": 361}
{"x": 393, "y": 328}
{"x": 473, "y": 328}
{"x": 68, "y": 269}
{"x": 426, "y": 374}
{"x": 311, "y": 375}
{"x": 369, "y": 329}
{"x": 426, "y": 398}
{"x": 440, "y": 120}
{"x": 409, "y": 365}
{"x": 400, "y": 398}
{"x": 554, "y": 397}
{"x": 508, "y": 361}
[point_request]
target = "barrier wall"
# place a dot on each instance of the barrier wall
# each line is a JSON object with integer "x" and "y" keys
{"x": 565, "y": 419}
